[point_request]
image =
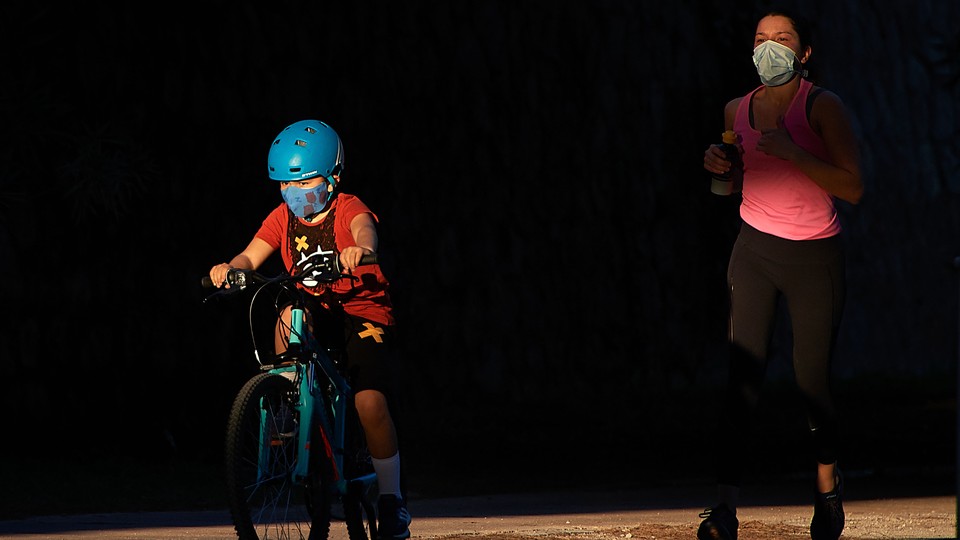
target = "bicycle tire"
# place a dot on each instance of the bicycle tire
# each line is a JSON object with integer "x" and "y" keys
{"x": 359, "y": 501}
{"x": 275, "y": 506}
{"x": 359, "y": 514}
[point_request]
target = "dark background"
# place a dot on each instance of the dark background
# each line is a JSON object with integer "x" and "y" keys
{"x": 557, "y": 259}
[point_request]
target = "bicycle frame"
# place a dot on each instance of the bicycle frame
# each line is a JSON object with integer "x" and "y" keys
{"x": 276, "y": 469}
{"x": 331, "y": 423}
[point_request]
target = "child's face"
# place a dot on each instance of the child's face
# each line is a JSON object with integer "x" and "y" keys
{"x": 306, "y": 184}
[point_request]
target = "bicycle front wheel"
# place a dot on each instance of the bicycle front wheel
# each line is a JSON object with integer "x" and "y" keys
{"x": 261, "y": 452}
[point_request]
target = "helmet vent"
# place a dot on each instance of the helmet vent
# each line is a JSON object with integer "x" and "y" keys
{"x": 310, "y": 130}
{"x": 300, "y": 142}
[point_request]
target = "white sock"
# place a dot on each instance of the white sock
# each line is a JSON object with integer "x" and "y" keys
{"x": 388, "y": 474}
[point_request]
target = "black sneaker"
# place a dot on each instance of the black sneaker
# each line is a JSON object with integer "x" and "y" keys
{"x": 719, "y": 523}
{"x": 828, "y": 516}
{"x": 393, "y": 521}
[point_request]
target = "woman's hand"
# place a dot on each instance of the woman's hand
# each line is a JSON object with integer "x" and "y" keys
{"x": 715, "y": 161}
{"x": 777, "y": 142}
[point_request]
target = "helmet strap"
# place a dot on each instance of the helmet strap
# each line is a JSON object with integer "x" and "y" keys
{"x": 335, "y": 172}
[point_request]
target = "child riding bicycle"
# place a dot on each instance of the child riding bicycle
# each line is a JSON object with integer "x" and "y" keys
{"x": 315, "y": 223}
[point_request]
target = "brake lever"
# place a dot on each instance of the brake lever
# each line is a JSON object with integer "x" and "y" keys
{"x": 221, "y": 292}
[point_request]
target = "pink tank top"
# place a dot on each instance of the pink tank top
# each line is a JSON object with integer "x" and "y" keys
{"x": 778, "y": 199}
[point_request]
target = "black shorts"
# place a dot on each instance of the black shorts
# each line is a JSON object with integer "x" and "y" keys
{"x": 366, "y": 347}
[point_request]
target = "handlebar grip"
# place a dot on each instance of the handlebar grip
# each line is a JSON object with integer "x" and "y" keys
{"x": 234, "y": 277}
{"x": 237, "y": 277}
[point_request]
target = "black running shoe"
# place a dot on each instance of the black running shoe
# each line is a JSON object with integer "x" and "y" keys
{"x": 828, "y": 516}
{"x": 393, "y": 521}
{"x": 719, "y": 523}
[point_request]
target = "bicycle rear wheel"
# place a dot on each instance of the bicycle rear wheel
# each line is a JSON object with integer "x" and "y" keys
{"x": 262, "y": 438}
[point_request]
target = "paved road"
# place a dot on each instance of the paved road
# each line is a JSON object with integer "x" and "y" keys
{"x": 569, "y": 514}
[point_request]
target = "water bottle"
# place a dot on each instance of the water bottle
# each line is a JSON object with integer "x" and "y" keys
{"x": 732, "y": 180}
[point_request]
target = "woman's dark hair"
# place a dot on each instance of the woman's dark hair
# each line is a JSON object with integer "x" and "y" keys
{"x": 800, "y": 24}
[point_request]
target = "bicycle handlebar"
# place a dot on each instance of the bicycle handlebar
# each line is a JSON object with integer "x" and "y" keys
{"x": 320, "y": 273}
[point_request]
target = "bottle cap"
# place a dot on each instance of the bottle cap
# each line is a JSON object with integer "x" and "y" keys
{"x": 730, "y": 136}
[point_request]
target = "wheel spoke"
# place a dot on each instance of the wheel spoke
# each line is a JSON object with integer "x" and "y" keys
{"x": 262, "y": 441}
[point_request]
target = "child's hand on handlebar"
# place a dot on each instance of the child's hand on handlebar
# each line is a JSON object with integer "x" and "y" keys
{"x": 350, "y": 257}
{"x": 218, "y": 275}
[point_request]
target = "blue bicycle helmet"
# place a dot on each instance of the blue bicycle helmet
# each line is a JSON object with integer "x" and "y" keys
{"x": 303, "y": 150}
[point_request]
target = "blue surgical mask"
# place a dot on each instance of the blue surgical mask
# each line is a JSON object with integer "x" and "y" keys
{"x": 304, "y": 202}
{"x": 776, "y": 63}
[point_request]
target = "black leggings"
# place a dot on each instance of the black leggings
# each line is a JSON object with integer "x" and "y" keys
{"x": 809, "y": 275}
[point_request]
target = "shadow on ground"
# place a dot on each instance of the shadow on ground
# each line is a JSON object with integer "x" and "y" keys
{"x": 900, "y": 442}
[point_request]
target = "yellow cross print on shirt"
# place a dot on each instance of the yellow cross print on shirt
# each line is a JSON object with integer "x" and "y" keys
{"x": 372, "y": 331}
{"x": 302, "y": 243}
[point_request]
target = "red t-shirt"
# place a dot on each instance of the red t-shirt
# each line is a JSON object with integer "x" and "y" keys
{"x": 367, "y": 297}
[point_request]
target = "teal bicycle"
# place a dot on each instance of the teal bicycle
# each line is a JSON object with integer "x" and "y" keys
{"x": 294, "y": 444}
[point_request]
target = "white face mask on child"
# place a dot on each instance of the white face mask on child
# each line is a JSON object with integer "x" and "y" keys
{"x": 776, "y": 63}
